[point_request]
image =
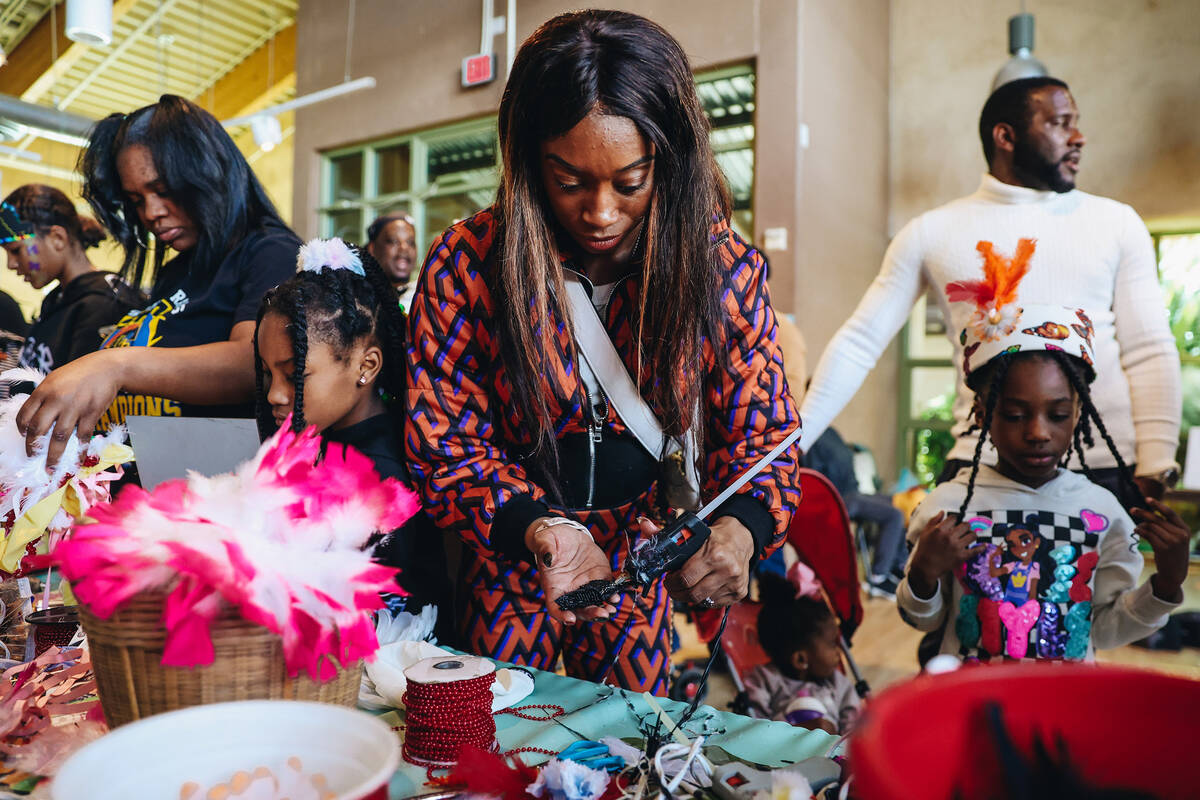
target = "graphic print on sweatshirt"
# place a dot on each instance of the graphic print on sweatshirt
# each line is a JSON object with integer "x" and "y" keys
{"x": 140, "y": 329}
{"x": 1027, "y": 593}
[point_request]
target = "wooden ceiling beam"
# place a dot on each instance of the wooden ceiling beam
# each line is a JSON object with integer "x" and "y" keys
{"x": 258, "y": 81}
{"x": 30, "y": 71}
{"x": 30, "y": 59}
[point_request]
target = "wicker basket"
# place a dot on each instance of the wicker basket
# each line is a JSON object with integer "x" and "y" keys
{"x": 127, "y": 651}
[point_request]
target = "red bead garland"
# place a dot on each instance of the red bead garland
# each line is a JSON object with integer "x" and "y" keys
{"x": 443, "y": 717}
{"x": 522, "y": 712}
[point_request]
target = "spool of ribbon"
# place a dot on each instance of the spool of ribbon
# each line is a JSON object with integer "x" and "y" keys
{"x": 449, "y": 705}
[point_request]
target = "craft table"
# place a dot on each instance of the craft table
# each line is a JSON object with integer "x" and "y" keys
{"x": 593, "y": 715}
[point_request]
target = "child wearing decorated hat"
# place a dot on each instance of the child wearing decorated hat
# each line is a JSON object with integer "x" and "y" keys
{"x": 329, "y": 351}
{"x": 1028, "y": 559}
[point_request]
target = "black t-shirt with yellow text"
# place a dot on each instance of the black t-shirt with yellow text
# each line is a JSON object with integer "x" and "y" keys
{"x": 198, "y": 311}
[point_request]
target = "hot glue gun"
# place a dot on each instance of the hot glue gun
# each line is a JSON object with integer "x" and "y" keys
{"x": 668, "y": 549}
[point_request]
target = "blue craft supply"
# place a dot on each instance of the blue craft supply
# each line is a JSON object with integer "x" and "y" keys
{"x": 594, "y": 755}
{"x": 1064, "y": 554}
{"x": 1059, "y": 591}
{"x": 1051, "y": 640}
{"x": 1079, "y": 625}
{"x": 1064, "y": 572}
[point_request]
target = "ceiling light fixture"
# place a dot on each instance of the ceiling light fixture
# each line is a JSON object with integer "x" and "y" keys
{"x": 90, "y": 21}
{"x": 267, "y": 132}
{"x": 1020, "y": 45}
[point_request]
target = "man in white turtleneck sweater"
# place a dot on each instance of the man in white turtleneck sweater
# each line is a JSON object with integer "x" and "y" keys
{"x": 1092, "y": 252}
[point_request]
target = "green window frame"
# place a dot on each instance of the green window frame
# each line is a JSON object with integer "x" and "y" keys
{"x": 428, "y": 174}
{"x": 442, "y": 174}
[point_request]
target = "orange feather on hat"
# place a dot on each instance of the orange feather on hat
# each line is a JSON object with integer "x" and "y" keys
{"x": 1001, "y": 277}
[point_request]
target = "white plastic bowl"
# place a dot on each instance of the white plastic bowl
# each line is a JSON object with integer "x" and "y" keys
{"x": 156, "y": 756}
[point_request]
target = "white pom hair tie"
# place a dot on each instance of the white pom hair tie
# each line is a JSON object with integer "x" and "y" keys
{"x": 319, "y": 254}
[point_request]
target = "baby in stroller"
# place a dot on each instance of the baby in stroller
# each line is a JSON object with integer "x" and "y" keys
{"x": 802, "y": 684}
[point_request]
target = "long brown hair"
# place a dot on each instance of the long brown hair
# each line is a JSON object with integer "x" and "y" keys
{"x": 627, "y": 66}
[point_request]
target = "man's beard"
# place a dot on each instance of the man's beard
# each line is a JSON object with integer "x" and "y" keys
{"x": 1036, "y": 171}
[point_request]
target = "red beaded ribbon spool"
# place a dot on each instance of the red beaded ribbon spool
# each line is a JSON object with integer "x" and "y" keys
{"x": 443, "y": 717}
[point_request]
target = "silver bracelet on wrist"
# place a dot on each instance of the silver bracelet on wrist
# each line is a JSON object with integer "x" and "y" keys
{"x": 548, "y": 522}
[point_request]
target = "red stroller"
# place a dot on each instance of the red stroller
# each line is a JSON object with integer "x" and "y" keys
{"x": 824, "y": 539}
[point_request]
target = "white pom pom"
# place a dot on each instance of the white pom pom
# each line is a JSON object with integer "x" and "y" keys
{"x": 319, "y": 254}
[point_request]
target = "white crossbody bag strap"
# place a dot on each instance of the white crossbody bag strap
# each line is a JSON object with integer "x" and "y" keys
{"x": 605, "y": 365}
{"x": 602, "y": 365}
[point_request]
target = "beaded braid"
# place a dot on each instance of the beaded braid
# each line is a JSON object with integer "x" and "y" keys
{"x": 262, "y": 413}
{"x": 1083, "y": 432}
{"x": 999, "y": 372}
{"x": 298, "y": 328}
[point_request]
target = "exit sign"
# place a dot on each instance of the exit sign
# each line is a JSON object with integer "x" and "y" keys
{"x": 478, "y": 70}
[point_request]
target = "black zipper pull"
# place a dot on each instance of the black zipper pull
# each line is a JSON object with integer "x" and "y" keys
{"x": 593, "y": 437}
{"x": 596, "y": 415}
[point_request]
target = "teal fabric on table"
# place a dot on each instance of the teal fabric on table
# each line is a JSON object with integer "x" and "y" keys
{"x": 593, "y": 715}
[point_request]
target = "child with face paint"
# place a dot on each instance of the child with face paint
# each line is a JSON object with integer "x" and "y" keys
{"x": 1028, "y": 559}
{"x": 47, "y": 242}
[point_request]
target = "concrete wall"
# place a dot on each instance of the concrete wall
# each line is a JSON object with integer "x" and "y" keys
{"x": 843, "y": 196}
{"x": 819, "y": 62}
{"x": 1133, "y": 66}
{"x": 414, "y": 49}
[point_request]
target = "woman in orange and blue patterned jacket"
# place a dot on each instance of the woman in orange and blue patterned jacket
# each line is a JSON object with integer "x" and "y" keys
{"x": 609, "y": 180}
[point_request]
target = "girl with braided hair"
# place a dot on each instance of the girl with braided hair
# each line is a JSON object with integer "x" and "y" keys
{"x": 329, "y": 352}
{"x": 1028, "y": 559}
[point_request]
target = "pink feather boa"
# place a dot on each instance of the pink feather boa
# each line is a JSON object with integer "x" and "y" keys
{"x": 281, "y": 540}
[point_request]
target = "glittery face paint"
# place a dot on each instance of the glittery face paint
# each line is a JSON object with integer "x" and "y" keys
{"x": 23, "y": 260}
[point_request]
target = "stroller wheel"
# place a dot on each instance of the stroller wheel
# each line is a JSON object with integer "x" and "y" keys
{"x": 686, "y": 685}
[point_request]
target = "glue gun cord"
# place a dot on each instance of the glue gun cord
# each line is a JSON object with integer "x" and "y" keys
{"x": 716, "y": 649}
{"x": 616, "y": 651}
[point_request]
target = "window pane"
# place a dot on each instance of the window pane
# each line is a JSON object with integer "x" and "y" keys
{"x": 728, "y": 102}
{"x": 442, "y": 212}
{"x": 346, "y": 173}
{"x": 346, "y": 224}
{"x": 738, "y": 168}
{"x": 470, "y": 157}
{"x": 394, "y": 168}
{"x": 927, "y": 332}
{"x": 929, "y": 447}
{"x": 933, "y": 393}
{"x": 1179, "y": 267}
{"x": 1191, "y": 407}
